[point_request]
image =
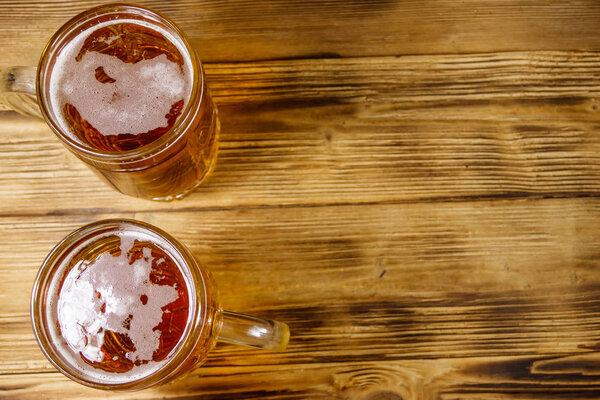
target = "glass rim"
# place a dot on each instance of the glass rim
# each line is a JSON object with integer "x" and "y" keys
{"x": 152, "y": 149}
{"x": 47, "y": 275}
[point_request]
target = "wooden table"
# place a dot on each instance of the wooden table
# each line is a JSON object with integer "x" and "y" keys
{"x": 414, "y": 186}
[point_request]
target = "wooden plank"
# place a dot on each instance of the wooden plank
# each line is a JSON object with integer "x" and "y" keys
{"x": 444, "y": 379}
{"x": 257, "y": 30}
{"x": 359, "y": 130}
{"x": 369, "y": 283}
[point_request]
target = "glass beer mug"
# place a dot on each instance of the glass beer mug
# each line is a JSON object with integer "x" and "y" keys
{"x": 124, "y": 91}
{"x": 121, "y": 304}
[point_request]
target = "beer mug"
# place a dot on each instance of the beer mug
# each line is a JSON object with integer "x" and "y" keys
{"x": 124, "y": 91}
{"x": 121, "y": 304}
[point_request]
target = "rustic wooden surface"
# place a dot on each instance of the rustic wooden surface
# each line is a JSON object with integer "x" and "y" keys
{"x": 414, "y": 186}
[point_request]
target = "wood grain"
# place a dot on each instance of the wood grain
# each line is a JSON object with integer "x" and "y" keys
{"x": 490, "y": 378}
{"x": 359, "y": 130}
{"x": 257, "y": 30}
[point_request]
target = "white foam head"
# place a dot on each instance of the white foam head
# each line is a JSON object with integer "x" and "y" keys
{"x": 112, "y": 285}
{"x": 139, "y": 98}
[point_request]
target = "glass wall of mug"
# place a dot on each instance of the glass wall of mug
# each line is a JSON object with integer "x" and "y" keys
{"x": 124, "y": 91}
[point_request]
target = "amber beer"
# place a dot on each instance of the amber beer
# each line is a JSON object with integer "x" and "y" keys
{"x": 125, "y": 91}
{"x": 121, "y": 306}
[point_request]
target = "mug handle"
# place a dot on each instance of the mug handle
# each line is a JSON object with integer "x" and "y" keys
{"x": 17, "y": 90}
{"x": 250, "y": 331}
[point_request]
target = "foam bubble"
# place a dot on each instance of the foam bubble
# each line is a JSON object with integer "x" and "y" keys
{"x": 101, "y": 295}
{"x": 136, "y": 102}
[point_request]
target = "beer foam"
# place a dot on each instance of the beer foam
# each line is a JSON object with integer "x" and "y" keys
{"x": 100, "y": 295}
{"x": 137, "y": 101}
